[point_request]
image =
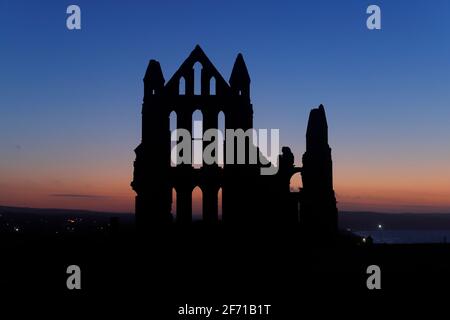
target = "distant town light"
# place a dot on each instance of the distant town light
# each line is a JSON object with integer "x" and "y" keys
{"x": 380, "y": 226}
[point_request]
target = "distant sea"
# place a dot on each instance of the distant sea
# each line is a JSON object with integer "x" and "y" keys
{"x": 407, "y": 236}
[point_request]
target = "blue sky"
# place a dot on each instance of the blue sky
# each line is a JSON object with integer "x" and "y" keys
{"x": 70, "y": 100}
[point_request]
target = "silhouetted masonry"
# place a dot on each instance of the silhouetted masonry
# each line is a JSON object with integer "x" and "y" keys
{"x": 247, "y": 196}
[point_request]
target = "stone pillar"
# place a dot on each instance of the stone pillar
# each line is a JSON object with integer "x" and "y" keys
{"x": 184, "y": 205}
{"x": 210, "y": 203}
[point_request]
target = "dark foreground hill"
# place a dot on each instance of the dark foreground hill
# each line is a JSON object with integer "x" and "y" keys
{"x": 22, "y": 220}
{"x": 170, "y": 267}
{"x": 26, "y": 220}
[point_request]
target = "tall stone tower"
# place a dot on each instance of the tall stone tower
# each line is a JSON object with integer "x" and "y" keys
{"x": 151, "y": 167}
{"x": 318, "y": 207}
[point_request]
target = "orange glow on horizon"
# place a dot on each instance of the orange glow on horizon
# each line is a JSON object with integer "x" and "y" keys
{"x": 107, "y": 188}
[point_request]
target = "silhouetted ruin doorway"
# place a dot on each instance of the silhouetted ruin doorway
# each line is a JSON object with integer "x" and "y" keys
{"x": 173, "y": 209}
{"x": 295, "y": 187}
{"x": 220, "y": 205}
{"x": 197, "y": 204}
{"x": 295, "y": 183}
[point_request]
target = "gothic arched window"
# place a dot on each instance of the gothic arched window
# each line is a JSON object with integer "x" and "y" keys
{"x": 172, "y": 128}
{"x": 212, "y": 86}
{"x": 221, "y": 143}
{"x": 182, "y": 86}
{"x": 198, "y": 78}
{"x": 197, "y": 139}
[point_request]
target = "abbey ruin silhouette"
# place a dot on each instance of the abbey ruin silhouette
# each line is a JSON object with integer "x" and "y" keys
{"x": 247, "y": 196}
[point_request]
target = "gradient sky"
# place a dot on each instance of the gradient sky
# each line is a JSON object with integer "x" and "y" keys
{"x": 70, "y": 101}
